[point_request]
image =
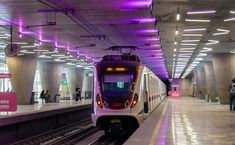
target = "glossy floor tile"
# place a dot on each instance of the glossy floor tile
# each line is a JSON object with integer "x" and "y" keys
{"x": 190, "y": 121}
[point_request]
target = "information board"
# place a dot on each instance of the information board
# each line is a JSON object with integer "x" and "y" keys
{"x": 8, "y": 102}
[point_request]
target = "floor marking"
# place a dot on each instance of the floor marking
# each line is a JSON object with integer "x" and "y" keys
{"x": 156, "y": 130}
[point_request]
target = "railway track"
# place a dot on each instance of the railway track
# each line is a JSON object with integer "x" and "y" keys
{"x": 113, "y": 139}
{"x": 66, "y": 135}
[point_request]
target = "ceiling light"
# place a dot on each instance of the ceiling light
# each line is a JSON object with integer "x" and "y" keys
{"x": 175, "y": 50}
{"x": 69, "y": 63}
{"x": 230, "y": 19}
{"x": 174, "y": 55}
{"x": 49, "y": 52}
{"x": 63, "y": 57}
{"x": 7, "y": 35}
{"x": 198, "y": 58}
{"x": 20, "y": 43}
{"x": 189, "y": 44}
{"x": 59, "y": 60}
{"x": 205, "y": 49}
{"x": 232, "y": 12}
{"x": 201, "y": 12}
{"x": 178, "y": 17}
{"x": 20, "y": 54}
{"x": 71, "y": 59}
{"x": 175, "y": 42}
{"x": 197, "y": 20}
{"x": 202, "y": 54}
{"x": 58, "y": 55}
{"x": 222, "y": 32}
{"x": 233, "y": 51}
{"x": 186, "y": 51}
{"x": 192, "y": 30}
{"x": 40, "y": 50}
{"x": 192, "y": 35}
{"x": 190, "y": 40}
{"x": 28, "y": 52}
{"x": 28, "y": 46}
{"x": 211, "y": 42}
{"x": 79, "y": 65}
{"x": 187, "y": 48}
{"x": 44, "y": 56}
{"x": 3, "y": 37}
{"x": 176, "y": 32}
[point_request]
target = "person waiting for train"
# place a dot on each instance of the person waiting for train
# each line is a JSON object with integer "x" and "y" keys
{"x": 78, "y": 94}
{"x": 47, "y": 96}
{"x": 232, "y": 95}
{"x": 42, "y": 96}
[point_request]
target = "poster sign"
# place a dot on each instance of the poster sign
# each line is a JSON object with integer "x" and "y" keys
{"x": 8, "y": 102}
{"x": 5, "y": 75}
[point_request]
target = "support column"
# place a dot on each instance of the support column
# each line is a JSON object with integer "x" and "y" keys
{"x": 210, "y": 79}
{"x": 88, "y": 83}
{"x": 75, "y": 79}
{"x": 196, "y": 79}
{"x": 222, "y": 64}
{"x": 51, "y": 74}
{"x": 22, "y": 69}
{"x": 202, "y": 81}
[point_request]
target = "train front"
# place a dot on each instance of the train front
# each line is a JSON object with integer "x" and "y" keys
{"x": 114, "y": 97}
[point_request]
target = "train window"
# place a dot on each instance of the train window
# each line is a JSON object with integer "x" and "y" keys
{"x": 116, "y": 85}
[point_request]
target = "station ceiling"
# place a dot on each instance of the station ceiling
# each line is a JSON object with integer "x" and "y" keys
{"x": 173, "y": 36}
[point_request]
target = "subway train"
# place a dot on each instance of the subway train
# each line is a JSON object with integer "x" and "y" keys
{"x": 125, "y": 93}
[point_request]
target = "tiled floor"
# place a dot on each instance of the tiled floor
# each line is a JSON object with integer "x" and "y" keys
{"x": 28, "y": 109}
{"x": 190, "y": 121}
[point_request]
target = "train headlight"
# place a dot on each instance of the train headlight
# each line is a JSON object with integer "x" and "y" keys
{"x": 98, "y": 101}
{"x": 135, "y": 100}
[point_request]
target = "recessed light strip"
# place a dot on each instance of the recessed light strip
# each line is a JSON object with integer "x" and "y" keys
{"x": 197, "y": 20}
{"x": 201, "y": 12}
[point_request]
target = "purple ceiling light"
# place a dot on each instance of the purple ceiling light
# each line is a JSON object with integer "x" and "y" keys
{"x": 142, "y": 3}
{"x": 147, "y": 20}
{"x": 152, "y": 39}
{"x": 148, "y": 31}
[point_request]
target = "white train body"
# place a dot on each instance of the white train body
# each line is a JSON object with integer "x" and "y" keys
{"x": 125, "y": 92}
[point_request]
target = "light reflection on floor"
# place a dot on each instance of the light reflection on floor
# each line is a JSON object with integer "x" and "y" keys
{"x": 189, "y": 121}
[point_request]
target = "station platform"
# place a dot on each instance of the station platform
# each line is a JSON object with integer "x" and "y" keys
{"x": 30, "y": 120}
{"x": 187, "y": 121}
{"x": 37, "y": 110}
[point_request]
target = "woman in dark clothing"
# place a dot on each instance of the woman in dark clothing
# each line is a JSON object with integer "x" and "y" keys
{"x": 232, "y": 95}
{"x": 42, "y": 95}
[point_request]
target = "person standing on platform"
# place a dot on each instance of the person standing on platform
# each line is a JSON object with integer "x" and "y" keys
{"x": 42, "y": 95}
{"x": 47, "y": 96}
{"x": 232, "y": 95}
{"x": 78, "y": 94}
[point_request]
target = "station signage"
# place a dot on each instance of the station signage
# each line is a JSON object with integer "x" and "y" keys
{"x": 8, "y": 102}
{"x": 5, "y": 75}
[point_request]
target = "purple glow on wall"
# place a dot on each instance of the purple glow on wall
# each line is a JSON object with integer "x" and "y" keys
{"x": 148, "y": 31}
{"x": 156, "y": 45}
{"x": 40, "y": 38}
{"x": 147, "y": 20}
{"x": 139, "y": 3}
{"x": 152, "y": 39}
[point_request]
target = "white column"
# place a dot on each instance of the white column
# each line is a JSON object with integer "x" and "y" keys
{"x": 22, "y": 69}
{"x": 51, "y": 73}
{"x": 75, "y": 79}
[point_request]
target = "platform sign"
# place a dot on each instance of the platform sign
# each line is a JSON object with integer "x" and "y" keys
{"x": 5, "y": 75}
{"x": 8, "y": 102}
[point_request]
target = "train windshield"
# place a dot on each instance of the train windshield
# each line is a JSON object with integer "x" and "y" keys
{"x": 117, "y": 84}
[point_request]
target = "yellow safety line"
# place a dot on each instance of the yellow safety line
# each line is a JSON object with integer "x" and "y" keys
{"x": 155, "y": 133}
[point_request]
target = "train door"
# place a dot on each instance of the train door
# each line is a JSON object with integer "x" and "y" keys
{"x": 145, "y": 94}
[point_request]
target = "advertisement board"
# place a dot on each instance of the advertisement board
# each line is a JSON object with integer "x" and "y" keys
{"x": 8, "y": 102}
